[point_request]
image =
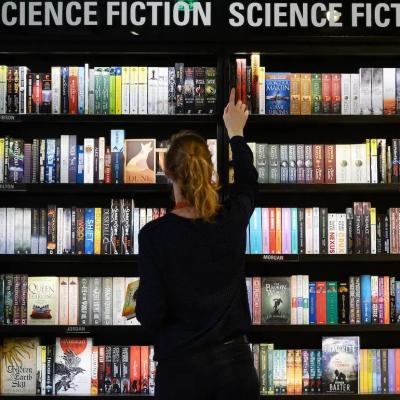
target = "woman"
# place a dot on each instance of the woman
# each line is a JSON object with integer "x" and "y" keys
{"x": 192, "y": 294}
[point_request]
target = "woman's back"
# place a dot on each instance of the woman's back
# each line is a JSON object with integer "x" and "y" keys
{"x": 200, "y": 270}
{"x": 192, "y": 294}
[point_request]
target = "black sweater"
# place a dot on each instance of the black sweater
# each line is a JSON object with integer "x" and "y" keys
{"x": 192, "y": 291}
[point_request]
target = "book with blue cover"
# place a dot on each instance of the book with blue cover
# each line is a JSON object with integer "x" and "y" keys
{"x": 256, "y": 232}
{"x": 89, "y": 230}
{"x": 312, "y": 303}
{"x": 366, "y": 299}
{"x": 277, "y": 93}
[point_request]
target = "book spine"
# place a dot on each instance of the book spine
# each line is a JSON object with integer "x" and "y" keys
{"x": 336, "y": 93}
{"x": 256, "y": 301}
{"x": 50, "y": 356}
{"x": 343, "y": 303}
{"x": 346, "y": 94}
{"x": 84, "y": 305}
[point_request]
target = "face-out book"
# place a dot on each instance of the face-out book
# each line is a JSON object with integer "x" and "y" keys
{"x": 276, "y": 300}
{"x": 340, "y": 364}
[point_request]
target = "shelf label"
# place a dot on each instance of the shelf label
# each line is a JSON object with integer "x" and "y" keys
{"x": 13, "y": 187}
{"x": 10, "y": 118}
{"x": 280, "y": 257}
{"x": 77, "y": 329}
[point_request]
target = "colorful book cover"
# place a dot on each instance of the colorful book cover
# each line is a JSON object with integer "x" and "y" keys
{"x": 276, "y": 300}
{"x": 89, "y": 230}
{"x": 286, "y": 231}
{"x": 312, "y": 303}
{"x": 256, "y": 232}
{"x": 340, "y": 357}
{"x": 277, "y": 93}
{"x": 332, "y": 302}
{"x": 366, "y": 299}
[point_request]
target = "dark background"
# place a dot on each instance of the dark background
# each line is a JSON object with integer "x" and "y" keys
{"x": 220, "y": 33}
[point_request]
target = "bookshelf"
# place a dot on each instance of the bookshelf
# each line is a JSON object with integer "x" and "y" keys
{"x": 329, "y": 128}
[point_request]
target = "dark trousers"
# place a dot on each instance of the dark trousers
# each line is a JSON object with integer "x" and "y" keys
{"x": 221, "y": 373}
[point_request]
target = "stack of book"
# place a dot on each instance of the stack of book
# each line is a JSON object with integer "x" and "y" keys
{"x": 64, "y": 160}
{"x": 74, "y": 230}
{"x": 296, "y": 300}
{"x": 108, "y": 90}
{"x": 74, "y": 366}
{"x": 366, "y": 92}
{"x": 51, "y": 300}
{"x": 313, "y": 230}
{"x": 371, "y": 162}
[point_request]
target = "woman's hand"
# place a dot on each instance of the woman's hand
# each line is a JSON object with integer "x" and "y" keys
{"x": 235, "y": 116}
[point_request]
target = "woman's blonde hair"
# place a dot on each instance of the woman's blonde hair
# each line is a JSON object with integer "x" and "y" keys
{"x": 188, "y": 162}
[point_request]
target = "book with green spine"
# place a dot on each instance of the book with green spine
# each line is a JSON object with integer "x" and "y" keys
{"x": 263, "y": 375}
{"x": 98, "y": 89}
{"x": 316, "y": 105}
{"x": 270, "y": 364}
{"x": 105, "y": 103}
{"x": 331, "y": 302}
{"x": 112, "y": 90}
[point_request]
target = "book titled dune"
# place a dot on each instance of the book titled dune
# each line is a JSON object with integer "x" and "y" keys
{"x": 140, "y": 160}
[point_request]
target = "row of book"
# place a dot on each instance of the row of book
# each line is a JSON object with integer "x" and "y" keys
{"x": 75, "y": 366}
{"x": 371, "y": 91}
{"x": 369, "y": 162}
{"x": 341, "y": 367}
{"x": 296, "y": 300}
{"x": 178, "y": 89}
{"x": 64, "y": 160}
{"x": 314, "y": 230}
{"x": 75, "y": 230}
{"x": 83, "y": 301}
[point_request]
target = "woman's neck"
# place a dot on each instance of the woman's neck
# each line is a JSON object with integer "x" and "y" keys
{"x": 182, "y": 211}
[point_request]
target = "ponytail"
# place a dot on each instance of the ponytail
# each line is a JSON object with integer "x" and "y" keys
{"x": 188, "y": 161}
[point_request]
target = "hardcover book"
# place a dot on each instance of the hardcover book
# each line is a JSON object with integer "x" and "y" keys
{"x": 340, "y": 357}
{"x": 276, "y": 300}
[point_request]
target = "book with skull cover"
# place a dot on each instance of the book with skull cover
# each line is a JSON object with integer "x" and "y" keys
{"x": 276, "y": 300}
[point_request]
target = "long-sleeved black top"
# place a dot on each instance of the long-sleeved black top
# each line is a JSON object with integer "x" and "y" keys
{"x": 192, "y": 290}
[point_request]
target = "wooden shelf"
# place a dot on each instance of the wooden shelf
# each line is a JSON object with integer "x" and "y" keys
{"x": 100, "y": 119}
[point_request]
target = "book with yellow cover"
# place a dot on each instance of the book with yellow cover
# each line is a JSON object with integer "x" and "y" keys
{"x": 129, "y": 309}
{"x": 118, "y": 90}
{"x": 295, "y": 94}
{"x": 97, "y": 231}
{"x": 306, "y": 93}
{"x": 290, "y": 371}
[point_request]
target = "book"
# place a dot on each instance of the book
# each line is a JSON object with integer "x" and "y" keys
{"x": 340, "y": 357}
{"x": 73, "y": 352}
{"x": 18, "y": 366}
{"x": 43, "y": 300}
{"x": 140, "y": 161}
{"x": 276, "y": 301}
